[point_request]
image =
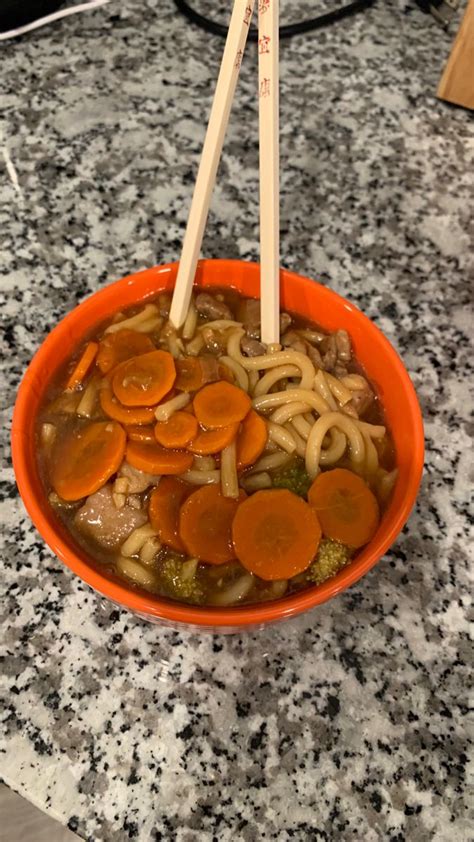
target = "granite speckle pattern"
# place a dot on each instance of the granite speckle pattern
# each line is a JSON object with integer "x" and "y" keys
{"x": 348, "y": 723}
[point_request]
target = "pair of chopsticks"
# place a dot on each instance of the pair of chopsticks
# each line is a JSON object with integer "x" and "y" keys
{"x": 269, "y": 163}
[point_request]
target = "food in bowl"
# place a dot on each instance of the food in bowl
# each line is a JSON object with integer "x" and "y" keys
{"x": 203, "y": 467}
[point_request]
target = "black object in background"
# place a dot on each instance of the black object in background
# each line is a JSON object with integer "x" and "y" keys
{"x": 14, "y": 14}
{"x": 285, "y": 31}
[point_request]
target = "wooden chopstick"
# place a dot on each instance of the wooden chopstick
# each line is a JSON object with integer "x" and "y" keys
{"x": 268, "y": 43}
{"x": 211, "y": 153}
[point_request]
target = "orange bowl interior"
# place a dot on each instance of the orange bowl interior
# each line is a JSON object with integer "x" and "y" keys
{"x": 382, "y": 364}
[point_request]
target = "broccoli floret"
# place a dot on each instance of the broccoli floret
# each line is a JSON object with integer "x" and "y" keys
{"x": 179, "y": 580}
{"x": 331, "y": 557}
{"x": 293, "y": 477}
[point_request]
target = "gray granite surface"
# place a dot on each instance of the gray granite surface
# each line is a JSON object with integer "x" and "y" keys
{"x": 348, "y": 723}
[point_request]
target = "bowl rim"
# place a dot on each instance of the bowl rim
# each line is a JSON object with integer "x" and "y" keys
{"x": 182, "y": 614}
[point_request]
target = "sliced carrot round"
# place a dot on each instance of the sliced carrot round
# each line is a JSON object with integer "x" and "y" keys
{"x": 136, "y": 433}
{"x": 154, "y": 459}
{"x": 86, "y": 458}
{"x": 346, "y": 508}
{"x": 251, "y": 440}
{"x": 117, "y": 347}
{"x": 205, "y": 525}
{"x": 163, "y": 511}
{"x": 144, "y": 380}
{"x": 126, "y": 415}
{"x": 276, "y": 534}
{"x": 221, "y": 404}
{"x": 194, "y": 372}
{"x": 178, "y": 431}
{"x": 82, "y": 367}
{"x": 213, "y": 441}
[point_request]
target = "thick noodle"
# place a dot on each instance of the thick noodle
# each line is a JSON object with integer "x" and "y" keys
{"x": 220, "y": 324}
{"x": 321, "y": 386}
{"x": 256, "y": 482}
{"x": 238, "y": 371}
{"x": 265, "y": 361}
{"x": 235, "y": 592}
{"x": 354, "y": 382}
{"x": 374, "y": 431}
{"x": 229, "y": 478}
{"x": 135, "y": 322}
{"x": 307, "y": 396}
{"x": 190, "y": 324}
{"x": 335, "y": 450}
{"x": 270, "y": 462}
{"x": 281, "y": 436}
{"x": 204, "y": 463}
{"x": 320, "y": 428}
{"x": 386, "y": 482}
{"x": 301, "y": 425}
{"x": 299, "y": 441}
{"x": 273, "y": 376}
{"x": 201, "y": 477}
{"x": 195, "y": 346}
{"x": 290, "y": 411}
{"x": 86, "y": 404}
{"x": 136, "y": 539}
{"x": 166, "y": 410}
{"x": 340, "y": 392}
{"x": 371, "y": 456}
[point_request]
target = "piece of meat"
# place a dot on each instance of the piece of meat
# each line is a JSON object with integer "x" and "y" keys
{"x": 292, "y": 340}
{"x": 314, "y": 355}
{"x": 138, "y": 481}
{"x": 340, "y": 371}
{"x": 285, "y": 322}
{"x": 207, "y": 306}
{"x": 251, "y": 347}
{"x": 330, "y": 353}
{"x": 249, "y": 315}
{"x": 343, "y": 346}
{"x": 100, "y": 520}
{"x": 362, "y": 400}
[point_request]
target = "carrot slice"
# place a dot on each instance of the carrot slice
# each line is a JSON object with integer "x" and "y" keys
{"x": 205, "y": 524}
{"x": 178, "y": 431}
{"x": 163, "y": 511}
{"x": 136, "y": 433}
{"x": 86, "y": 458}
{"x": 221, "y": 404}
{"x": 346, "y": 508}
{"x": 276, "y": 534}
{"x": 195, "y": 372}
{"x": 251, "y": 440}
{"x": 126, "y": 415}
{"x": 154, "y": 459}
{"x": 117, "y": 347}
{"x": 83, "y": 366}
{"x": 213, "y": 441}
{"x": 144, "y": 380}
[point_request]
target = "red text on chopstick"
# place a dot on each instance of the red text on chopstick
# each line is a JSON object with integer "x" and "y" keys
{"x": 264, "y": 87}
{"x": 248, "y": 15}
{"x": 263, "y": 6}
{"x": 264, "y": 44}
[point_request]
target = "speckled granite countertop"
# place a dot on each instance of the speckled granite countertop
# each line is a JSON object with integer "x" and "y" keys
{"x": 349, "y": 723}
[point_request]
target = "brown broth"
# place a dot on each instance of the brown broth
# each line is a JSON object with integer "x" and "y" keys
{"x": 58, "y": 408}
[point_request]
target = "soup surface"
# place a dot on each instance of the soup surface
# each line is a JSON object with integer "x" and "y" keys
{"x": 201, "y": 465}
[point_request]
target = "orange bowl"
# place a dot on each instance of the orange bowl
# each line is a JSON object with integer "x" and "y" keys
{"x": 302, "y": 295}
